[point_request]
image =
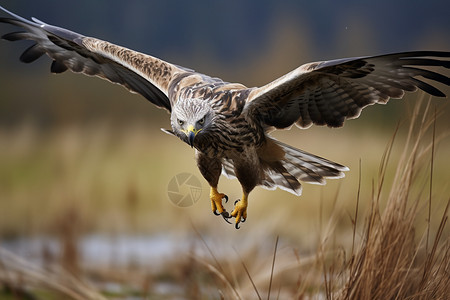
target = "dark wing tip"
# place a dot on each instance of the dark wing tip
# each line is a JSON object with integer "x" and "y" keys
{"x": 32, "y": 53}
{"x": 58, "y": 67}
{"x": 428, "y": 88}
{"x": 15, "y": 36}
{"x": 427, "y": 53}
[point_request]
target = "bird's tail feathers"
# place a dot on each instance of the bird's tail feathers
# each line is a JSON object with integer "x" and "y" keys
{"x": 306, "y": 167}
{"x": 296, "y": 165}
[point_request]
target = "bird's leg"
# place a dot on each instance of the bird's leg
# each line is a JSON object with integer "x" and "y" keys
{"x": 216, "y": 203}
{"x": 211, "y": 167}
{"x": 240, "y": 209}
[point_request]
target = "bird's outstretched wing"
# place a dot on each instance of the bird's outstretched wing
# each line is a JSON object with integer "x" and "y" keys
{"x": 140, "y": 73}
{"x": 329, "y": 92}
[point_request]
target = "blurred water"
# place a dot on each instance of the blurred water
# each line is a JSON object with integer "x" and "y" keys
{"x": 101, "y": 250}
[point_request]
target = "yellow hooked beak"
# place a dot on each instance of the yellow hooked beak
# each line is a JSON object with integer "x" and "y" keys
{"x": 191, "y": 132}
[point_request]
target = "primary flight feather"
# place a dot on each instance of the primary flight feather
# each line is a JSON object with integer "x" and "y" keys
{"x": 228, "y": 124}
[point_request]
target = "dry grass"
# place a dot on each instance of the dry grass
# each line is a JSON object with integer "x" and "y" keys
{"x": 21, "y": 278}
{"x": 392, "y": 242}
{"x": 390, "y": 263}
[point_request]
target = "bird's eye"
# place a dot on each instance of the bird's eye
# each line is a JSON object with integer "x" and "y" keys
{"x": 201, "y": 121}
{"x": 180, "y": 122}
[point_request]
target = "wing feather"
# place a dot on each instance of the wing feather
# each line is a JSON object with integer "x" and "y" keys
{"x": 32, "y": 53}
{"x": 329, "y": 92}
{"x": 140, "y": 73}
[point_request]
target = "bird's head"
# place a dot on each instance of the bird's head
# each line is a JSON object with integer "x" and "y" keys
{"x": 191, "y": 118}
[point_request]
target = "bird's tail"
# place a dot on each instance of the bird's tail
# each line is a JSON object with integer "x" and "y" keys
{"x": 305, "y": 167}
{"x": 296, "y": 165}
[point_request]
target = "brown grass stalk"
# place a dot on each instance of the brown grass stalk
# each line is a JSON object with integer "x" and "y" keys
{"x": 387, "y": 265}
{"x": 19, "y": 274}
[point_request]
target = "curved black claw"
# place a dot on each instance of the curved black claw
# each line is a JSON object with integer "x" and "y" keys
{"x": 216, "y": 213}
{"x": 237, "y": 226}
{"x": 226, "y": 216}
{"x": 243, "y": 220}
{"x": 236, "y": 201}
{"x": 226, "y": 198}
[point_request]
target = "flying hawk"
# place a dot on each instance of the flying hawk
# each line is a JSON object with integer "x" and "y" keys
{"x": 228, "y": 124}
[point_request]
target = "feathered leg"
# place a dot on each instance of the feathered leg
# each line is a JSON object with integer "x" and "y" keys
{"x": 211, "y": 169}
{"x": 247, "y": 168}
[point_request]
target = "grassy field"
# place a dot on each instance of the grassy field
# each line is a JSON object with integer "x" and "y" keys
{"x": 378, "y": 233}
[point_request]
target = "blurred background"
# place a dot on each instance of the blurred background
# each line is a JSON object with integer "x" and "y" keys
{"x": 84, "y": 167}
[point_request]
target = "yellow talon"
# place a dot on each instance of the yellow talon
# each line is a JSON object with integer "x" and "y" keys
{"x": 240, "y": 210}
{"x": 216, "y": 201}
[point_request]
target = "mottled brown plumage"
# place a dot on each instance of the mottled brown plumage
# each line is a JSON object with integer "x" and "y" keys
{"x": 227, "y": 123}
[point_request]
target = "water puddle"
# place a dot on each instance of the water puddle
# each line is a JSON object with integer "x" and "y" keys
{"x": 102, "y": 250}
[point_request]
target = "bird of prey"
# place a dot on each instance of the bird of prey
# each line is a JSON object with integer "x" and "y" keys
{"x": 229, "y": 124}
